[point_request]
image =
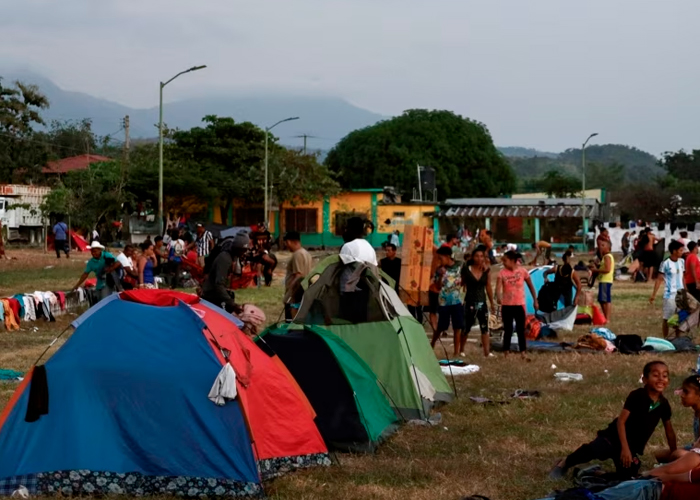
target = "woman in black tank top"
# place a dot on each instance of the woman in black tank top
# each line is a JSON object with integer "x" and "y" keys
{"x": 477, "y": 281}
{"x": 565, "y": 278}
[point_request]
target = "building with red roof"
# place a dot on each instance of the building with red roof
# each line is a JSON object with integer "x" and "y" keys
{"x": 81, "y": 162}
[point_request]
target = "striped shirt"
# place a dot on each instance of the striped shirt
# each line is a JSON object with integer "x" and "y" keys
{"x": 203, "y": 244}
{"x": 673, "y": 277}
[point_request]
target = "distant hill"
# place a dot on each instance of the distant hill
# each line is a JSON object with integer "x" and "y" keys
{"x": 518, "y": 152}
{"x": 636, "y": 165}
{"x": 328, "y": 118}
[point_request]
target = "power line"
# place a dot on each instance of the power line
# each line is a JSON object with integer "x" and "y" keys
{"x": 56, "y": 145}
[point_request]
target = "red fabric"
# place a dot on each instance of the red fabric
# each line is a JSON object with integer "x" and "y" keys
{"x": 279, "y": 416}
{"x": 680, "y": 491}
{"x": 598, "y": 316}
{"x": 79, "y": 242}
{"x": 61, "y": 300}
{"x": 161, "y": 298}
{"x": 14, "y": 305}
{"x": 90, "y": 283}
{"x": 688, "y": 277}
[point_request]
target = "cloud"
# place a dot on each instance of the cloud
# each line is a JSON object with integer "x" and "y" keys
{"x": 540, "y": 73}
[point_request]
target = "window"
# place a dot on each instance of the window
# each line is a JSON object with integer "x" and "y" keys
{"x": 341, "y": 219}
{"x": 399, "y": 214}
{"x": 302, "y": 220}
{"x": 248, "y": 216}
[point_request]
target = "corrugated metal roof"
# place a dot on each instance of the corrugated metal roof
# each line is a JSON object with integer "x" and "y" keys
{"x": 508, "y": 202}
{"x": 540, "y": 212}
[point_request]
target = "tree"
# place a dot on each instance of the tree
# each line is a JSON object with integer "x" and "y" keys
{"x": 386, "y": 154}
{"x": 20, "y": 107}
{"x": 71, "y": 138}
{"x": 300, "y": 178}
{"x": 559, "y": 185}
{"x": 682, "y": 165}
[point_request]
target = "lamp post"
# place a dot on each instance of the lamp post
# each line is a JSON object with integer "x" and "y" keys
{"x": 584, "y": 229}
{"x": 160, "y": 147}
{"x": 267, "y": 133}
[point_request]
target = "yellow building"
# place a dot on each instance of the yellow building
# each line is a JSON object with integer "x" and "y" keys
{"x": 321, "y": 223}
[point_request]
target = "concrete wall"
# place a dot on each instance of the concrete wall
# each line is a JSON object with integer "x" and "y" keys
{"x": 617, "y": 232}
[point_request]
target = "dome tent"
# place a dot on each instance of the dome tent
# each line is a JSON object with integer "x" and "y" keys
{"x": 352, "y": 411}
{"x": 379, "y": 328}
{"x": 129, "y": 411}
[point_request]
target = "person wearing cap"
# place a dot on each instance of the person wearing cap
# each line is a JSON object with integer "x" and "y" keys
{"x": 101, "y": 263}
{"x": 299, "y": 265}
{"x": 214, "y": 288}
{"x": 204, "y": 244}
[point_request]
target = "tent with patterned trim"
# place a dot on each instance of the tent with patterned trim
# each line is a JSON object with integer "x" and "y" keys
{"x": 125, "y": 408}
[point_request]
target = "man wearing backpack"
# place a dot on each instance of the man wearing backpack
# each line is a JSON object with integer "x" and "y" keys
{"x": 215, "y": 286}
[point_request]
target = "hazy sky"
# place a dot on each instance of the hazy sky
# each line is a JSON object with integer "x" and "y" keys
{"x": 538, "y": 73}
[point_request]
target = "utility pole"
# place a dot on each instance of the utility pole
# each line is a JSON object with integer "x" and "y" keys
{"x": 305, "y": 136}
{"x": 126, "y": 139}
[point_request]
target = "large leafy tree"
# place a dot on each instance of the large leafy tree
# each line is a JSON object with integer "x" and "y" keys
{"x": 21, "y": 157}
{"x": 460, "y": 150}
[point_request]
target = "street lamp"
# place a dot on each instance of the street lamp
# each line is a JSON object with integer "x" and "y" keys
{"x": 267, "y": 133}
{"x": 160, "y": 147}
{"x": 584, "y": 229}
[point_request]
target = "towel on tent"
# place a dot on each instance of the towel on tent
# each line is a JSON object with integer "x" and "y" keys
{"x": 224, "y": 386}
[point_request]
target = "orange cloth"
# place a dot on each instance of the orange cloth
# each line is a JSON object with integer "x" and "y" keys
{"x": 10, "y": 321}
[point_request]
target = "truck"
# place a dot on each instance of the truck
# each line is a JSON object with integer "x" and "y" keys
{"x": 20, "y": 212}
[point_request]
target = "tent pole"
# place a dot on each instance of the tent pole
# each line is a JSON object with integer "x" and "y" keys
{"x": 51, "y": 345}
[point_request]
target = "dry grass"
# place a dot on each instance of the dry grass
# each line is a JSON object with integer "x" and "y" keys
{"x": 503, "y": 452}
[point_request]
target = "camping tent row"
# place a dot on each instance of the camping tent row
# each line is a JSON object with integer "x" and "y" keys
{"x": 123, "y": 407}
{"x": 129, "y": 410}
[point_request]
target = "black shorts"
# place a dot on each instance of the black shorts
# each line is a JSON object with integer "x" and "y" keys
{"x": 649, "y": 258}
{"x": 476, "y": 311}
{"x": 433, "y": 302}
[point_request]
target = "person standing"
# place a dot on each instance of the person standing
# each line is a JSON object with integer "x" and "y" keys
{"x": 692, "y": 270}
{"x": 298, "y": 267}
{"x": 476, "y": 280}
{"x": 510, "y": 293}
{"x": 605, "y": 273}
{"x": 395, "y": 240}
{"x": 625, "y": 244}
{"x": 204, "y": 242}
{"x": 671, "y": 274}
{"x": 564, "y": 278}
{"x": 448, "y": 280}
{"x": 391, "y": 265}
{"x": 684, "y": 240}
{"x": 176, "y": 252}
{"x": 60, "y": 242}
{"x": 3, "y": 255}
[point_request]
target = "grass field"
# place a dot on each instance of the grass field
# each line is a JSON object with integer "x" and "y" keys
{"x": 503, "y": 452}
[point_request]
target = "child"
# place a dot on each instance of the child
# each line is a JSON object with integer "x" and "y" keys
{"x": 605, "y": 273}
{"x": 448, "y": 279}
{"x": 510, "y": 293}
{"x": 689, "y": 458}
{"x": 626, "y": 437}
{"x": 671, "y": 274}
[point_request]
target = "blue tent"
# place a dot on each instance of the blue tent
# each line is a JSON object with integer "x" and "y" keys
{"x": 128, "y": 413}
{"x": 537, "y": 277}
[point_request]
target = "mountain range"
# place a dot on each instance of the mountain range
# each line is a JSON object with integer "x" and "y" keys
{"x": 326, "y": 120}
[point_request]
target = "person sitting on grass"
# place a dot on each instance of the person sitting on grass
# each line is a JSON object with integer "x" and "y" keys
{"x": 625, "y": 438}
{"x": 448, "y": 280}
{"x": 683, "y": 460}
{"x": 671, "y": 274}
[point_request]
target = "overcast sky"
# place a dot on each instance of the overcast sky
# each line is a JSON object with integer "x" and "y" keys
{"x": 538, "y": 73}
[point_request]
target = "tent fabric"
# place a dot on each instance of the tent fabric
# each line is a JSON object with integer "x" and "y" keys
{"x": 121, "y": 403}
{"x": 280, "y": 421}
{"x": 128, "y": 395}
{"x": 561, "y": 319}
{"x": 384, "y": 334}
{"x": 537, "y": 277}
{"x": 161, "y": 298}
{"x": 353, "y": 413}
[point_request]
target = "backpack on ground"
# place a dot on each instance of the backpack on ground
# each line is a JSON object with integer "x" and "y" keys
{"x": 532, "y": 328}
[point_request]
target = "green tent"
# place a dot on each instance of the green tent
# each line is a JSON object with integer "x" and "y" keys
{"x": 352, "y": 410}
{"x": 377, "y": 326}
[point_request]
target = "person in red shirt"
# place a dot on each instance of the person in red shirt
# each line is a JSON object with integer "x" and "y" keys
{"x": 692, "y": 270}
